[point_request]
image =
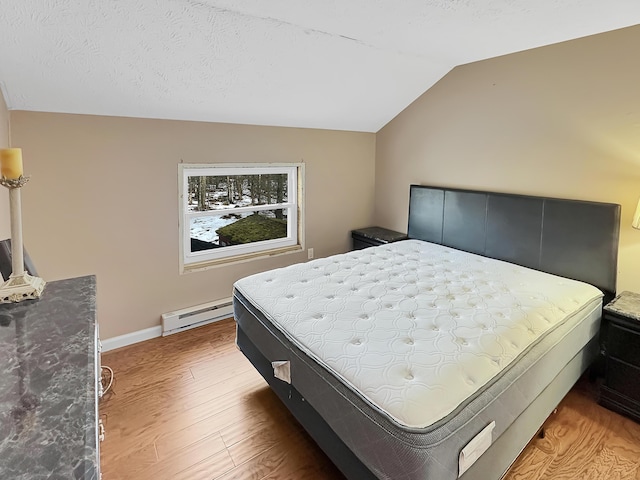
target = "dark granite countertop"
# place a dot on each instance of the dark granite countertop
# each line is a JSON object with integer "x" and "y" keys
{"x": 48, "y": 384}
{"x": 383, "y": 235}
{"x": 627, "y": 304}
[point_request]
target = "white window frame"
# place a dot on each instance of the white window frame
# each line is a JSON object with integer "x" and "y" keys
{"x": 237, "y": 253}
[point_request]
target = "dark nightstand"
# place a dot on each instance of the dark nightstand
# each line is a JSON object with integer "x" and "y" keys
{"x": 373, "y": 236}
{"x": 620, "y": 342}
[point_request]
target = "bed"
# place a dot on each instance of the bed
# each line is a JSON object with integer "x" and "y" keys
{"x": 438, "y": 357}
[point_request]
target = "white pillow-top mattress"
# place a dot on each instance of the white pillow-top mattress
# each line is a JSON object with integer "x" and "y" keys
{"x": 413, "y": 327}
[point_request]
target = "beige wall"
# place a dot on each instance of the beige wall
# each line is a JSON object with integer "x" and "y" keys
{"x": 103, "y": 200}
{"x": 5, "y": 223}
{"x": 561, "y": 121}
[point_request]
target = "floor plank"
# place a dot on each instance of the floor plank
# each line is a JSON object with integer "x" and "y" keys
{"x": 533, "y": 464}
{"x": 190, "y": 407}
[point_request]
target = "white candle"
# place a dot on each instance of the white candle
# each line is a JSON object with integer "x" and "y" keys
{"x": 11, "y": 161}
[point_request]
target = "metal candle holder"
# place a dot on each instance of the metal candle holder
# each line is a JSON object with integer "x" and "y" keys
{"x": 20, "y": 286}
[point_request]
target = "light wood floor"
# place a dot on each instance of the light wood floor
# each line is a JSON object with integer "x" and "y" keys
{"x": 190, "y": 406}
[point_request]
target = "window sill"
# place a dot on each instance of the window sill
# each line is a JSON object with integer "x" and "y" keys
{"x": 223, "y": 262}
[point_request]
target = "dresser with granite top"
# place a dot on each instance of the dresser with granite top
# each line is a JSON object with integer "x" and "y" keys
{"x": 49, "y": 384}
{"x": 620, "y": 343}
{"x": 374, "y": 236}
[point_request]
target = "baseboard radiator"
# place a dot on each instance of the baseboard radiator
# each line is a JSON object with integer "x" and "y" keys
{"x": 196, "y": 316}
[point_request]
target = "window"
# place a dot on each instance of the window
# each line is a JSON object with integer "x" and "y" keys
{"x": 235, "y": 212}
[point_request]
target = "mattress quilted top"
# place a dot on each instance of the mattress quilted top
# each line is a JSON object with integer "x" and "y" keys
{"x": 413, "y": 327}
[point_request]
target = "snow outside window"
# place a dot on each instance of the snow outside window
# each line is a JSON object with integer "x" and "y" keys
{"x": 236, "y": 212}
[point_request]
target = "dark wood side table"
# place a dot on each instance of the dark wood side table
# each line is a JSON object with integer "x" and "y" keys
{"x": 620, "y": 343}
{"x": 373, "y": 236}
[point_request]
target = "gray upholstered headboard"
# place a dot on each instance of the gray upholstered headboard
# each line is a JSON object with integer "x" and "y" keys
{"x": 571, "y": 238}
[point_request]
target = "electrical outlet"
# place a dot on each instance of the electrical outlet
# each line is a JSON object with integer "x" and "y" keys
{"x": 310, "y": 253}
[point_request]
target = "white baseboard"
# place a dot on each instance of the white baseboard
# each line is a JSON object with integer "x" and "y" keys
{"x": 131, "y": 338}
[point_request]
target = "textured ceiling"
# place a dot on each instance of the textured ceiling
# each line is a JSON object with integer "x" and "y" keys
{"x": 336, "y": 64}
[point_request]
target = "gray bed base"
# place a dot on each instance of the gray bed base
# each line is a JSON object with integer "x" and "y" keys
{"x": 492, "y": 465}
{"x": 495, "y": 462}
{"x": 575, "y": 239}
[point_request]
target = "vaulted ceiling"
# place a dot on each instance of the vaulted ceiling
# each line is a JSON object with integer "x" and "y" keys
{"x": 334, "y": 64}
